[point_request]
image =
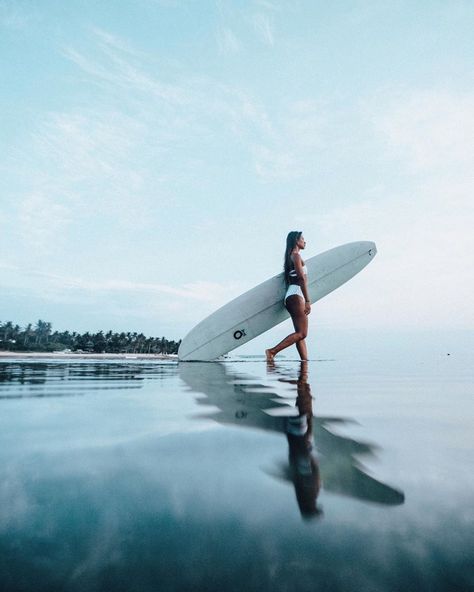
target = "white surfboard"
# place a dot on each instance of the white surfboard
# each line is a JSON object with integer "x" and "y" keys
{"x": 262, "y": 307}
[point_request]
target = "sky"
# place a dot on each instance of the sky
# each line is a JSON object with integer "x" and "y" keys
{"x": 155, "y": 153}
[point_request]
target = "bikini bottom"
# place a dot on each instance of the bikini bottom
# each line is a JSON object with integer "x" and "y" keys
{"x": 293, "y": 289}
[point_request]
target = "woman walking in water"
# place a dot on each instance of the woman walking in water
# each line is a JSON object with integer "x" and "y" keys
{"x": 296, "y": 298}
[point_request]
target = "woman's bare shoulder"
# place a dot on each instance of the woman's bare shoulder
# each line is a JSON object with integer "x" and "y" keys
{"x": 295, "y": 256}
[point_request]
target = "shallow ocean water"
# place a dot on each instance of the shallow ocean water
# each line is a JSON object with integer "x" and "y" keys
{"x": 142, "y": 475}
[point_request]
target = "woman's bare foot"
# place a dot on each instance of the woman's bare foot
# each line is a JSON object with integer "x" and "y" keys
{"x": 269, "y": 355}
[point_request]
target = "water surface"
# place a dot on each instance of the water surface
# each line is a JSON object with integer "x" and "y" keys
{"x": 145, "y": 476}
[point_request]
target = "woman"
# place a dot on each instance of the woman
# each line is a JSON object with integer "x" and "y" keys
{"x": 296, "y": 298}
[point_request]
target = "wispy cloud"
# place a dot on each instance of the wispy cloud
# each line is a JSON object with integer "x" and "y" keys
{"x": 188, "y": 104}
{"x": 203, "y": 291}
{"x": 15, "y": 16}
{"x": 151, "y": 300}
{"x": 115, "y": 154}
{"x": 240, "y": 27}
{"x": 124, "y": 151}
{"x": 190, "y": 97}
{"x": 43, "y": 220}
{"x": 121, "y": 72}
{"x": 227, "y": 41}
{"x": 269, "y": 5}
{"x": 170, "y": 3}
{"x": 423, "y": 231}
{"x": 290, "y": 150}
{"x": 264, "y": 28}
{"x": 109, "y": 41}
{"x": 430, "y": 128}
{"x": 85, "y": 146}
{"x": 279, "y": 144}
{"x": 274, "y": 164}
{"x": 79, "y": 164}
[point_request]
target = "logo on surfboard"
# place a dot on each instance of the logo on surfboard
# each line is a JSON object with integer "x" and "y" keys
{"x": 239, "y": 334}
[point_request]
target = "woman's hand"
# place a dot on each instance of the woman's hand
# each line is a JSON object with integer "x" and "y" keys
{"x": 307, "y": 307}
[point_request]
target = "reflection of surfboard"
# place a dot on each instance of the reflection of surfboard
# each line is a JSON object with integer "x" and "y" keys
{"x": 261, "y": 308}
{"x": 242, "y": 400}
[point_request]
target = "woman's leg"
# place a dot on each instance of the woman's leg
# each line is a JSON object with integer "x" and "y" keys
{"x": 295, "y": 306}
{"x": 301, "y": 347}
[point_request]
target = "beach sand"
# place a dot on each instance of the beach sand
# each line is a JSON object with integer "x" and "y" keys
{"x": 85, "y": 355}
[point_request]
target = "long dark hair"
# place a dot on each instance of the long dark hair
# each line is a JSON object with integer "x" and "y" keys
{"x": 291, "y": 241}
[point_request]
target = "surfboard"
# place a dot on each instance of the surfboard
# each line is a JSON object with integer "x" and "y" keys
{"x": 262, "y": 307}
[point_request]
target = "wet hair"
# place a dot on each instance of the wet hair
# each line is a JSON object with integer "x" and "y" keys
{"x": 291, "y": 241}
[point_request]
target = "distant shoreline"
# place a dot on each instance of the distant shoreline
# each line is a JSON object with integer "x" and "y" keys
{"x": 87, "y": 356}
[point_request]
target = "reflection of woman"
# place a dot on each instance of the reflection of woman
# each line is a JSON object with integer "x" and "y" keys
{"x": 304, "y": 467}
{"x": 296, "y": 298}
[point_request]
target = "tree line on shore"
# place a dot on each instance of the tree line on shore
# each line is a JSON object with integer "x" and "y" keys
{"x": 42, "y": 338}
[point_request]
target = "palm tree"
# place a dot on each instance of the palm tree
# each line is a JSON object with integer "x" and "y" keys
{"x": 7, "y": 330}
{"x": 43, "y": 329}
{"x": 27, "y": 333}
{"x": 13, "y": 337}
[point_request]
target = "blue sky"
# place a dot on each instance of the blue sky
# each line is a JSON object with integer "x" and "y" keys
{"x": 154, "y": 154}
